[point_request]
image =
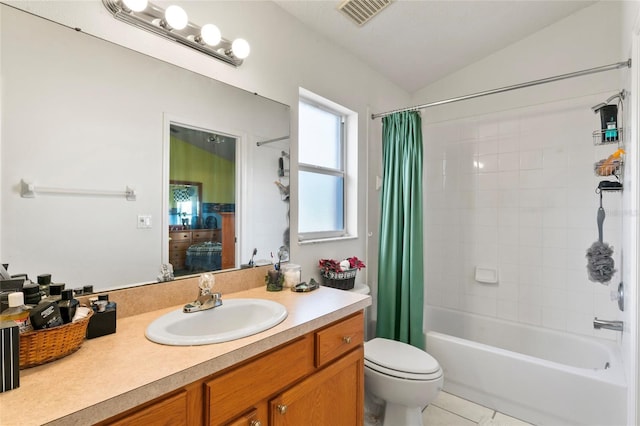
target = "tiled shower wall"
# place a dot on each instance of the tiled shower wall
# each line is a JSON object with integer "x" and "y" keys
{"x": 515, "y": 191}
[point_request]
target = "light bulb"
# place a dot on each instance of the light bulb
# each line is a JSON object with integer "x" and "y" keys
{"x": 135, "y": 5}
{"x": 240, "y": 48}
{"x": 210, "y": 34}
{"x": 176, "y": 17}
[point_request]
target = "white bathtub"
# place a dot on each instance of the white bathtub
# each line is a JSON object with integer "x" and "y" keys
{"x": 538, "y": 375}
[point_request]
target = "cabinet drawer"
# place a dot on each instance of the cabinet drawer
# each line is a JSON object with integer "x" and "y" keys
{"x": 168, "y": 411}
{"x": 178, "y": 246}
{"x": 254, "y": 381}
{"x": 339, "y": 338}
{"x": 201, "y": 236}
{"x": 180, "y": 236}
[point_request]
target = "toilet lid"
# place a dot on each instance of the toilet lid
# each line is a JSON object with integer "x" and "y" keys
{"x": 399, "y": 357}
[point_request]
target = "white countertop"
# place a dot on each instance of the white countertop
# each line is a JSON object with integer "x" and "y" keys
{"x": 113, "y": 373}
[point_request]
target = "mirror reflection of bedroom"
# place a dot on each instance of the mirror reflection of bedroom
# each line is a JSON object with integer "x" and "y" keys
{"x": 201, "y": 200}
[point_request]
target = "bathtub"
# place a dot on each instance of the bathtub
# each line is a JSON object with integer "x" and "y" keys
{"x": 534, "y": 374}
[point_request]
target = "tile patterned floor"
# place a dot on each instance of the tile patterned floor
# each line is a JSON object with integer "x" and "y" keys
{"x": 450, "y": 410}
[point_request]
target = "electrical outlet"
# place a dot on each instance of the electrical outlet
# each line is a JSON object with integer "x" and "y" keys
{"x": 144, "y": 221}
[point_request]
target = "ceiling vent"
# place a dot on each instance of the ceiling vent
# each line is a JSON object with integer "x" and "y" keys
{"x": 361, "y": 11}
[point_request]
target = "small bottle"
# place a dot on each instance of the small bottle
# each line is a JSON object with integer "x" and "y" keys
{"x": 67, "y": 305}
{"x": 110, "y": 306}
{"x": 43, "y": 281}
{"x": 17, "y": 312}
{"x": 55, "y": 292}
{"x": 31, "y": 293}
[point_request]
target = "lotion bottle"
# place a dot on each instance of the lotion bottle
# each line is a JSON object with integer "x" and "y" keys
{"x": 17, "y": 312}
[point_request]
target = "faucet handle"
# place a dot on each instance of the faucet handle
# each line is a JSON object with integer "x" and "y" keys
{"x": 206, "y": 283}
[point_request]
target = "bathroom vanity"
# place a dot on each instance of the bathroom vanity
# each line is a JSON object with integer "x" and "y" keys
{"x": 308, "y": 366}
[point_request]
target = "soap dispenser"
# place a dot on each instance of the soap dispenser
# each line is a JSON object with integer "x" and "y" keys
{"x": 67, "y": 305}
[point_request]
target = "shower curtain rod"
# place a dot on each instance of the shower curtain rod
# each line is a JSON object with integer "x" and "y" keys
{"x": 603, "y": 68}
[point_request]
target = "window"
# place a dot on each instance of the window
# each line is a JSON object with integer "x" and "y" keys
{"x": 323, "y": 170}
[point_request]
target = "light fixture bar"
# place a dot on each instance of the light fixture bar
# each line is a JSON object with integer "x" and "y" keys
{"x": 149, "y": 19}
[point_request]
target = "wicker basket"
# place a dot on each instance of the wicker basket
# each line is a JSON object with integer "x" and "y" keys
{"x": 41, "y": 346}
{"x": 344, "y": 280}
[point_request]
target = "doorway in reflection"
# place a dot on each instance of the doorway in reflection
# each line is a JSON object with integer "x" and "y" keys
{"x": 202, "y": 188}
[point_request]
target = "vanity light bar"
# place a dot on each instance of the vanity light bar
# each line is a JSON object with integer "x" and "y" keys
{"x": 152, "y": 19}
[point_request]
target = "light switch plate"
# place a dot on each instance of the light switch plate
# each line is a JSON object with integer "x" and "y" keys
{"x": 144, "y": 221}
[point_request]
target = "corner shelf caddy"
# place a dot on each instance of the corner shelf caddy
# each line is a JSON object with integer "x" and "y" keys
{"x": 610, "y": 136}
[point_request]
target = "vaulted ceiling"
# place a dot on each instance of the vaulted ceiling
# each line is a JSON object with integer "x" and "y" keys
{"x": 416, "y": 42}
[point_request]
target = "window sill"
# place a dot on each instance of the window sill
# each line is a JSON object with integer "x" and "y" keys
{"x": 327, "y": 240}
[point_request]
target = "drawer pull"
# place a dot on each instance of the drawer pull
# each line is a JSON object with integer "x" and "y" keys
{"x": 346, "y": 339}
{"x": 282, "y": 409}
{"x": 255, "y": 423}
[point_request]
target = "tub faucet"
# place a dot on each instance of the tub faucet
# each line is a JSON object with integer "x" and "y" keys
{"x": 609, "y": 325}
{"x": 206, "y": 299}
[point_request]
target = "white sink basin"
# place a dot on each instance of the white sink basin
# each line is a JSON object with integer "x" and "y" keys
{"x": 236, "y": 318}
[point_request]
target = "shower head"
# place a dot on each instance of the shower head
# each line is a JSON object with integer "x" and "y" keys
{"x": 597, "y": 108}
{"x": 619, "y": 96}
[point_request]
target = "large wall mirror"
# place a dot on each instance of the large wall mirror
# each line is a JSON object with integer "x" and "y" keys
{"x": 82, "y": 113}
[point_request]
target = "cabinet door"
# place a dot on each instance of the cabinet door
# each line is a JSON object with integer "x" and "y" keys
{"x": 333, "y": 396}
{"x": 228, "y": 240}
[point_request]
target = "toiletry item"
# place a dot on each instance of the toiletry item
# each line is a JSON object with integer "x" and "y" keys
{"x": 304, "y": 287}
{"x": 103, "y": 321}
{"x": 609, "y": 123}
{"x": 81, "y": 312}
{"x": 43, "y": 281}
{"x": 45, "y": 315}
{"x": 3, "y": 271}
{"x": 274, "y": 280}
{"x": 608, "y": 166}
{"x": 292, "y": 274}
{"x": 55, "y": 292}
{"x": 7, "y": 287}
{"x": 31, "y": 293}
{"x": 10, "y": 358}
{"x": 67, "y": 305}
{"x": 17, "y": 312}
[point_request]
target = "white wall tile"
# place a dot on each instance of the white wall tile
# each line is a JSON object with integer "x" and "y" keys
{"x": 530, "y": 210}
{"x": 530, "y": 160}
{"x": 509, "y": 161}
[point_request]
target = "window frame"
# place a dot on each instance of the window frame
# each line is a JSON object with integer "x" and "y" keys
{"x": 343, "y": 171}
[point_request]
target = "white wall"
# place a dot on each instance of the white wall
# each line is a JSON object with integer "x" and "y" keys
{"x": 284, "y": 56}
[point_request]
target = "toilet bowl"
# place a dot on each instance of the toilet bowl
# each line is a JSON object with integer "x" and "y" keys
{"x": 406, "y": 378}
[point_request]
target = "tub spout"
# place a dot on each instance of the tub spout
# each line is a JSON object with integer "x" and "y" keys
{"x": 609, "y": 325}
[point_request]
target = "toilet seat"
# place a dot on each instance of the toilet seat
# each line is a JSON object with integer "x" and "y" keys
{"x": 398, "y": 359}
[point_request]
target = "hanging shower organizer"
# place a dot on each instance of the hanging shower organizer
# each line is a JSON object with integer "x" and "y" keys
{"x": 611, "y": 132}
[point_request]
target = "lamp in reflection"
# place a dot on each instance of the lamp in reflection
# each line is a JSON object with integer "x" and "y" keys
{"x": 173, "y": 24}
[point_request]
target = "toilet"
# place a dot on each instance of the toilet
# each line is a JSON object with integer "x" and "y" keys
{"x": 404, "y": 377}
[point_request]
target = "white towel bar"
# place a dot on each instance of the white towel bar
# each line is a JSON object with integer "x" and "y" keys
{"x": 29, "y": 190}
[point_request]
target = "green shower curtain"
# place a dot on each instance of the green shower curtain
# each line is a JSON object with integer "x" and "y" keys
{"x": 400, "y": 268}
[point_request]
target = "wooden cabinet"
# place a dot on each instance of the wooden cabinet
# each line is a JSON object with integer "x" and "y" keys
{"x": 228, "y": 239}
{"x": 317, "y": 379}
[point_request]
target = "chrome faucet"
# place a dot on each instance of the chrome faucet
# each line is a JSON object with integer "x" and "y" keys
{"x": 206, "y": 299}
{"x": 609, "y": 325}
